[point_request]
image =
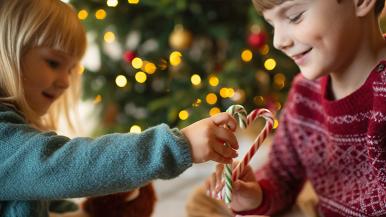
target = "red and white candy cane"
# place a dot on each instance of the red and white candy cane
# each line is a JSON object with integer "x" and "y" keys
{"x": 268, "y": 116}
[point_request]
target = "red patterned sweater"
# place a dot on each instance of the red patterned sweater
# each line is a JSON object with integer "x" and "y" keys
{"x": 340, "y": 146}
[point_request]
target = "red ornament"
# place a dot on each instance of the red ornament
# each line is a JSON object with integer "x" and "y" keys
{"x": 257, "y": 40}
{"x": 128, "y": 56}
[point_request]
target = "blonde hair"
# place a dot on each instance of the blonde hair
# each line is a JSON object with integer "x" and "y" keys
{"x": 262, "y": 5}
{"x": 26, "y": 24}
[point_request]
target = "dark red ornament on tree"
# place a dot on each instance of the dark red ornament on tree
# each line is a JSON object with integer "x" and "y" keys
{"x": 257, "y": 40}
{"x": 128, "y": 56}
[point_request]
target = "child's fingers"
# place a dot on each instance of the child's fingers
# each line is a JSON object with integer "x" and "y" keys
{"x": 219, "y": 158}
{"x": 226, "y": 136}
{"x": 223, "y": 150}
{"x": 225, "y": 119}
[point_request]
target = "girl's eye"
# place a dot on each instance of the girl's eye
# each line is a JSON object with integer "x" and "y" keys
{"x": 53, "y": 64}
{"x": 296, "y": 18}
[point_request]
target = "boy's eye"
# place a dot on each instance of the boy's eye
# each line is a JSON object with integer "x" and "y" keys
{"x": 53, "y": 63}
{"x": 296, "y": 18}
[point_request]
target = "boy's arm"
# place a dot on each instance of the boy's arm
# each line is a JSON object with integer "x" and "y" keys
{"x": 43, "y": 165}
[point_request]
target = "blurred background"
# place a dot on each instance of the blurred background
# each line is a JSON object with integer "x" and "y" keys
{"x": 175, "y": 62}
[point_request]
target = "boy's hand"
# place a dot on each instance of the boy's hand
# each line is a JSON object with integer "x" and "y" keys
{"x": 207, "y": 138}
{"x": 246, "y": 192}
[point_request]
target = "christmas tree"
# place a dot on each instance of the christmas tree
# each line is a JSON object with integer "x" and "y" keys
{"x": 178, "y": 61}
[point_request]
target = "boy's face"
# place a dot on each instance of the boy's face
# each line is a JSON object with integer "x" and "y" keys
{"x": 319, "y": 35}
{"x": 46, "y": 75}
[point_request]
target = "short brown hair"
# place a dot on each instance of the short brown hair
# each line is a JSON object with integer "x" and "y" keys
{"x": 262, "y": 5}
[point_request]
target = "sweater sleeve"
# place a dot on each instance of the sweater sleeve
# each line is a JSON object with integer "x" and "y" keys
{"x": 282, "y": 178}
{"x": 38, "y": 165}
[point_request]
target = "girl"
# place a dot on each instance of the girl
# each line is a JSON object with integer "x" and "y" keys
{"x": 41, "y": 44}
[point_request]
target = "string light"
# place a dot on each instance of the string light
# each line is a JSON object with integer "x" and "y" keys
{"x": 279, "y": 80}
{"x": 211, "y": 98}
{"x": 246, "y": 55}
{"x": 175, "y": 58}
{"x": 214, "y": 111}
{"x": 109, "y": 37}
{"x": 137, "y": 63}
{"x": 197, "y": 103}
{"x": 264, "y": 50}
{"x": 100, "y": 14}
{"x": 121, "y": 81}
{"x": 214, "y": 81}
{"x": 149, "y": 68}
{"x": 270, "y": 64}
{"x": 112, "y": 3}
{"x": 258, "y": 100}
{"x": 140, "y": 77}
{"x": 134, "y": 2}
{"x": 275, "y": 124}
{"x": 82, "y": 14}
{"x": 183, "y": 115}
{"x": 227, "y": 92}
{"x": 195, "y": 79}
{"x": 97, "y": 99}
{"x": 135, "y": 129}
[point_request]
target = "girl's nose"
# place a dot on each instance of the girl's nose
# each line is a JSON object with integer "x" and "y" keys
{"x": 63, "y": 80}
{"x": 281, "y": 39}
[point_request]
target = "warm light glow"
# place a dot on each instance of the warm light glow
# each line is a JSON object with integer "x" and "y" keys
{"x": 270, "y": 64}
{"x": 195, "y": 79}
{"x": 112, "y": 3}
{"x": 264, "y": 50}
{"x": 226, "y": 92}
{"x": 213, "y": 81}
{"x": 135, "y": 129}
{"x": 133, "y": 2}
{"x": 275, "y": 124}
{"x": 81, "y": 70}
{"x": 100, "y": 14}
{"x": 150, "y": 68}
{"x": 175, "y": 58}
{"x": 183, "y": 115}
{"x": 279, "y": 80}
{"x": 140, "y": 77}
{"x": 109, "y": 37}
{"x": 121, "y": 81}
{"x": 211, "y": 98}
{"x": 82, "y": 14}
{"x": 97, "y": 99}
{"x": 197, "y": 103}
{"x": 246, "y": 55}
{"x": 214, "y": 111}
{"x": 259, "y": 100}
{"x": 137, "y": 63}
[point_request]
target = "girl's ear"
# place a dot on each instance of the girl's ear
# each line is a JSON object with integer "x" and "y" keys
{"x": 364, "y": 7}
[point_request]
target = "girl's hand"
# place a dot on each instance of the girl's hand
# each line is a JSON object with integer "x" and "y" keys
{"x": 246, "y": 192}
{"x": 207, "y": 138}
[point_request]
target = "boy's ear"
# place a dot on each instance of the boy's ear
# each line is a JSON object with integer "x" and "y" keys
{"x": 364, "y": 7}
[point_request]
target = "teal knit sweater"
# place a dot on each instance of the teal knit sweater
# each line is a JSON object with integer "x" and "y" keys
{"x": 36, "y": 167}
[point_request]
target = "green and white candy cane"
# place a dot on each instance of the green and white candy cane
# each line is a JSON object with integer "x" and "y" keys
{"x": 240, "y": 114}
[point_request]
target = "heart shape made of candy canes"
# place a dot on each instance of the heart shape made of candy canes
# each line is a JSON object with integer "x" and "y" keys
{"x": 244, "y": 120}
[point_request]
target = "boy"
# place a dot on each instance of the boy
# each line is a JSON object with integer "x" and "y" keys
{"x": 333, "y": 127}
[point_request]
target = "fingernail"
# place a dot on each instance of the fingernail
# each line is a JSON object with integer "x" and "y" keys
{"x": 208, "y": 193}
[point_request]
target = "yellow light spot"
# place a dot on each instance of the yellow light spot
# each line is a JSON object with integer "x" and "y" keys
{"x": 112, "y": 3}
{"x": 197, "y": 103}
{"x": 82, "y": 14}
{"x": 100, "y": 14}
{"x": 175, "y": 58}
{"x": 275, "y": 124}
{"x": 135, "y": 129}
{"x": 278, "y": 105}
{"x": 140, "y": 77}
{"x": 97, "y": 99}
{"x": 183, "y": 115}
{"x": 246, "y": 55}
{"x": 259, "y": 100}
{"x": 121, "y": 81}
{"x": 270, "y": 64}
{"x": 211, "y": 98}
{"x": 213, "y": 81}
{"x": 137, "y": 63}
{"x": 133, "y": 2}
{"x": 279, "y": 80}
{"x": 81, "y": 70}
{"x": 226, "y": 92}
{"x": 214, "y": 111}
{"x": 195, "y": 79}
{"x": 109, "y": 37}
{"x": 150, "y": 68}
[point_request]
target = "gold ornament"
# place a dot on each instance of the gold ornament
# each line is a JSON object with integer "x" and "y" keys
{"x": 180, "y": 38}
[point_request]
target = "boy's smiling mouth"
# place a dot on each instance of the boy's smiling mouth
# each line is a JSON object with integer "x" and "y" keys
{"x": 299, "y": 58}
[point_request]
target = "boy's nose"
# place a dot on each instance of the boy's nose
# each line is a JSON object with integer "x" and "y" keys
{"x": 281, "y": 39}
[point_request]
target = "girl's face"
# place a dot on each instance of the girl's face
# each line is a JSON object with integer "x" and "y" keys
{"x": 321, "y": 36}
{"x": 46, "y": 74}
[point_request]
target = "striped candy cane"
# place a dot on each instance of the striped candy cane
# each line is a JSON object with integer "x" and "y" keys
{"x": 240, "y": 114}
{"x": 267, "y": 115}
